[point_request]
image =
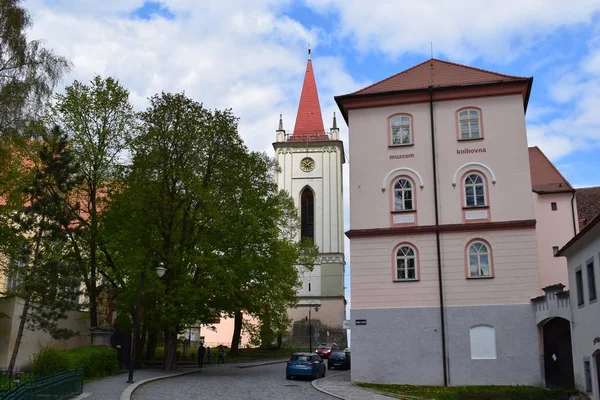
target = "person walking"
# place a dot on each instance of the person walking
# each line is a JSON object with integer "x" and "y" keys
{"x": 201, "y": 352}
{"x": 221, "y": 355}
{"x": 208, "y": 355}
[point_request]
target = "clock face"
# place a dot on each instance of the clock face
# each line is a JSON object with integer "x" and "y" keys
{"x": 307, "y": 164}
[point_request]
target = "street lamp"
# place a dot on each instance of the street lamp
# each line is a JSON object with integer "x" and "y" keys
{"x": 160, "y": 271}
{"x": 310, "y": 306}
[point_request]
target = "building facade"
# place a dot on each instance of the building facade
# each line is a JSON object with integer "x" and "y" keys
{"x": 583, "y": 257}
{"x": 443, "y": 232}
{"x": 310, "y": 161}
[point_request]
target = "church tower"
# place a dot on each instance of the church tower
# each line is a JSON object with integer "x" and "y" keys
{"x": 311, "y": 162}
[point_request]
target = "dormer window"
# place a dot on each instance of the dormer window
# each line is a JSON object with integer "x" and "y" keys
{"x": 400, "y": 130}
{"x": 469, "y": 124}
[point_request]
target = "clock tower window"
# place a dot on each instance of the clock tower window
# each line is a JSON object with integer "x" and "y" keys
{"x": 307, "y": 213}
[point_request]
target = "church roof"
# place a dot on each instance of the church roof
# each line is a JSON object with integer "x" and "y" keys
{"x": 437, "y": 73}
{"x": 309, "y": 121}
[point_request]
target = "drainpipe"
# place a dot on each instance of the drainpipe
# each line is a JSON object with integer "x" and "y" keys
{"x": 573, "y": 213}
{"x": 437, "y": 238}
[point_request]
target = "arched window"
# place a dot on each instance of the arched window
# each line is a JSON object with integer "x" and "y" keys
{"x": 469, "y": 123}
{"x": 400, "y": 130}
{"x": 474, "y": 190}
{"x": 403, "y": 195}
{"x": 479, "y": 260}
{"x": 307, "y": 213}
{"x": 406, "y": 263}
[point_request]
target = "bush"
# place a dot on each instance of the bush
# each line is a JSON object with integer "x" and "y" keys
{"x": 96, "y": 362}
{"x": 49, "y": 361}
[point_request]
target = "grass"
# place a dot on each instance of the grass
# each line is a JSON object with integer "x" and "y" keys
{"x": 473, "y": 392}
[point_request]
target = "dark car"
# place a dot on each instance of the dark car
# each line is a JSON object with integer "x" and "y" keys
{"x": 339, "y": 359}
{"x": 325, "y": 348}
{"x": 305, "y": 364}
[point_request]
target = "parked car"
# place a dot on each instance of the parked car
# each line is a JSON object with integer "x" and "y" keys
{"x": 305, "y": 364}
{"x": 339, "y": 359}
{"x": 325, "y": 348}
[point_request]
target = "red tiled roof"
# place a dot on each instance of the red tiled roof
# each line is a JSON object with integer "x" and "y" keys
{"x": 545, "y": 178}
{"x": 309, "y": 121}
{"x": 588, "y": 204}
{"x": 437, "y": 73}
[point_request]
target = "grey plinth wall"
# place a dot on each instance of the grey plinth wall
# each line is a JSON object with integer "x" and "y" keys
{"x": 404, "y": 346}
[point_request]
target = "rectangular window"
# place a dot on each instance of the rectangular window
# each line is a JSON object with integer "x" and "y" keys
{"x": 400, "y": 127}
{"x": 579, "y": 283}
{"x": 553, "y": 206}
{"x": 554, "y": 250}
{"x": 309, "y": 286}
{"x": 591, "y": 280}
{"x": 588, "y": 376}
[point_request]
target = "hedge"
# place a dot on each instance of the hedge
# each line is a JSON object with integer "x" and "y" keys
{"x": 96, "y": 362}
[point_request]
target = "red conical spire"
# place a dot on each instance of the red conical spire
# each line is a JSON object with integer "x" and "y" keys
{"x": 309, "y": 122}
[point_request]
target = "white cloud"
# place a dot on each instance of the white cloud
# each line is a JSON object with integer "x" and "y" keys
{"x": 463, "y": 30}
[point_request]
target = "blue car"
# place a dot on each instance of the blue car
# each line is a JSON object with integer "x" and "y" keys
{"x": 305, "y": 364}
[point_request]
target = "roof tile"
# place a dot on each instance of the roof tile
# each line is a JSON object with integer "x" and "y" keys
{"x": 437, "y": 73}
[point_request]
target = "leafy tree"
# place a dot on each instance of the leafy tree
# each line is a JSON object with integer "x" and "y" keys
{"x": 100, "y": 120}
{"x": 28, "y": 74}
{"x": 49, "y": 284}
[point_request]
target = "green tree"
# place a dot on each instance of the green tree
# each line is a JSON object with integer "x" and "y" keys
{"x": 101, "y": 122}
{"x": 49, "y": 283}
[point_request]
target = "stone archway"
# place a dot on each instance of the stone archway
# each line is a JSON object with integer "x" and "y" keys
{"x": 558, "y": 355}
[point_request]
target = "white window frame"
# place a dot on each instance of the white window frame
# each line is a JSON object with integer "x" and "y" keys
{"x": 405, "y": 123}
{"x": 473, "y": 185}
{"x": 472, "y": 122}
{"x": 472, "y": 252}
{"x": 400, "y": 199}
{"x": 408, "y": 254}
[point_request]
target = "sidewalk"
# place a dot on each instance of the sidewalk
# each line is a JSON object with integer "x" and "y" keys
{"x": 116, "y": 387}
{"x": 339, "y": 385}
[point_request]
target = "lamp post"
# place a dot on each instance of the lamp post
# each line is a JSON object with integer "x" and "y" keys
{"x": 310, "y": 306}
{"x": 160, "y": 271}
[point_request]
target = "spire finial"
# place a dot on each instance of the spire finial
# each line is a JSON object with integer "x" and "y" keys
{"x": 334, "y": 122}
{"x": 308, "y": 44}
{"x": 280, "y": 123}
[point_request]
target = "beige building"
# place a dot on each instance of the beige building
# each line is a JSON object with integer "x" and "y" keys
{"x": 311, "y": 162}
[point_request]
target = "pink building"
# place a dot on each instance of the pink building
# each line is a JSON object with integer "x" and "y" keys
{"x": 445, "y": 255}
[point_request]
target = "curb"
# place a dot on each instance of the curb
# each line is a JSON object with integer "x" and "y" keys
{"x": 393, "y": 396}
{"x": 265, "y": 363}
{"x": 320, "y": 389}
{"x": 126, "y": 395}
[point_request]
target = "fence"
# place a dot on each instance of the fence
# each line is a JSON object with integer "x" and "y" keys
{"x": 61, "y": 386}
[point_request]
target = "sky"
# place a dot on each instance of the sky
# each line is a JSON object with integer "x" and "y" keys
{"x": 250, "y": 56}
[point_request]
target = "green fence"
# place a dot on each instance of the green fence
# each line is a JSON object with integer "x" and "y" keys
{"x": 61, "y": 386}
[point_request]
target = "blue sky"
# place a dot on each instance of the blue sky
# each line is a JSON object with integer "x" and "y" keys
{"x": 251, "y": 56}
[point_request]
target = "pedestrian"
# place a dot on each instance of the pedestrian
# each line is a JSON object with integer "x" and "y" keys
{"x": 208, "y": 355}
{"x": 221, "y": 355}
{"x": 201, "y": 352}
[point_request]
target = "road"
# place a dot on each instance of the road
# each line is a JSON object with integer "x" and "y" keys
{"x": 233, "y": 383}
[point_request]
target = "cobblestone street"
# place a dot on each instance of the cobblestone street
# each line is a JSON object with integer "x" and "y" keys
{"x": 231, "y": 382}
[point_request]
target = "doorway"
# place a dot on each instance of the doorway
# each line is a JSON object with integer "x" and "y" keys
{"x": 558, "y": 356}
{"x": 597, "y": 358}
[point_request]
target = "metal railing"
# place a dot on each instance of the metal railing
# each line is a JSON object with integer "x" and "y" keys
{"x": 60, "y": 386}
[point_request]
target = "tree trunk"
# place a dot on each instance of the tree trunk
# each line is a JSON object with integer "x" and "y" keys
{"x": 36, "y": 256}
{"x": 279, "y": 340}
{"x": 170, "y": 358}
{"x": 237, "y": 331}
{"x": 152, "y": 343}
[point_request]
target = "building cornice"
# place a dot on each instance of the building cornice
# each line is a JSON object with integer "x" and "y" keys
{"x": 416, "y": 230}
